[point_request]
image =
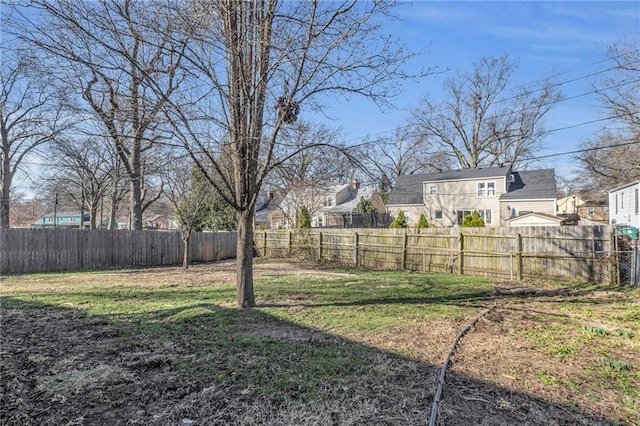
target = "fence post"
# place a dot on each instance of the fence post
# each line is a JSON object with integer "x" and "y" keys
{"x": 519, "y": 264}
{"x": 264, "y": 244}
{"x": 355, "y": 248}
{"x": 634, "y": 264}
{"x": 461, "y": 255}
{"x": 319, "y": 246}
{"x": 404, "y": 249}
{"x": 614, "y": 259}
{"x": 289, "y": 242}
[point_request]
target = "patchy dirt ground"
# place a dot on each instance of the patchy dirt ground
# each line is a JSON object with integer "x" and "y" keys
{"x": 62, "y": 367}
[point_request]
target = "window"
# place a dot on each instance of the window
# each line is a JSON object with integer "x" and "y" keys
{"x": 328, "y": 201}
{"x": 433, "y": 189}
{"x": 319, "y": 222}
{"x": 591, "y": 210}
{"x": 616, "y": 203}
{"x": 481, "y": 189}
{"x": 606, "y": 209}
{"x": 438, "y": 215}
{"x": 484, "y": 214}
{"x": 636, "y": 194}
{"x": 622, "y": 200}
{"x": 486, "y": 189}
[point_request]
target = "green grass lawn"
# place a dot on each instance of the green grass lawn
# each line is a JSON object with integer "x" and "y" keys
{"x": 326, "y": 345}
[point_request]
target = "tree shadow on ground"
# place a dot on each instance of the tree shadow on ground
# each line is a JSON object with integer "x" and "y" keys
{"x": 204, "y": 364}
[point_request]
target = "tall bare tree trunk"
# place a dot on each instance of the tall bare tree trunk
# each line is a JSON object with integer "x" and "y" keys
{"x": 186, "y": 243}
{"x": 4, "y": 192}
{"x": 244, "y": 276}
{"x": 136, "y": 204}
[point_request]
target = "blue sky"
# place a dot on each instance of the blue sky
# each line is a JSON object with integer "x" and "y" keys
{"x": 564, "y": 38}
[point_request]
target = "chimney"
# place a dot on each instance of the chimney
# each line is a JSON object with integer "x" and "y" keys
{"x": 507, "y": 164}
{"x": 355, "y": 184}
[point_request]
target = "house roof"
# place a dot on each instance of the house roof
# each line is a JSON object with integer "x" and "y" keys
{"x": 351, "y": 204}
{"x": 64, "y": 213}
{"x": 527, "y": 185}
{"x": 532, "y": 185}
{"x": 538, "y": 214}
{"x": 462, "y": 174}
{"x": 408, "y": 190}
{"x": 626, "y": 185}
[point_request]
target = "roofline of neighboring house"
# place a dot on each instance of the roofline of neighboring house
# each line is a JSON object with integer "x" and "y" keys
{"x": 637, "y": 182}
{"x": 405, "y": 204}
{"x": 548, "y": 216}
{"x": 507, "y": 200}
{"x": 500, "y": 176}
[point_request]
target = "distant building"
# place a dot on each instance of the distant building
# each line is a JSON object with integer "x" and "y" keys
{"x": 331, "y": 206}
{"x": 66, "y": 219}
{"x": 497, "y": 193}
{"x": 624, "y": 205}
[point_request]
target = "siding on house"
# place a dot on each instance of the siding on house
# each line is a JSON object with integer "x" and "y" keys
{"x": 624, "y": 205}
{"x": 497, "y": 193}
{"x": 535, "y": 219}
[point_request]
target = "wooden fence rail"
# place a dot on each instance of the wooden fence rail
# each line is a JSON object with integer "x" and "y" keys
{"x": 587, "y": 254}
{"x": 580, "y": 253}
{"x": 58, "y": 249}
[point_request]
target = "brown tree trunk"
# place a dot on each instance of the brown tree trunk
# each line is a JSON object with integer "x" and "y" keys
{"x": 93, "y": 213}
{"x": 6, "y": 186}
{"x": 4, "y": 202}
{"x": 136, "y": 204}
{"x": 244, "y": 277}
{"x": 186, "y": 240}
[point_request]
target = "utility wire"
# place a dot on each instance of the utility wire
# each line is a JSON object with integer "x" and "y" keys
{"x": 594, "y": 91}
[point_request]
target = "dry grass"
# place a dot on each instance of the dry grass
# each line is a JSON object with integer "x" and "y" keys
{"x": 326, "y": 346}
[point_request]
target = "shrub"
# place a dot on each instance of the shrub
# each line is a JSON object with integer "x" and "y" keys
{"x": 399, "y": 222}
{"x": 473, "y": 220}
{"x": 422, "y": 222}
{"x": 304, "y": 220}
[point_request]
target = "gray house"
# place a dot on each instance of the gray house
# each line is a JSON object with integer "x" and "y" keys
{"x": 497, "y": 193}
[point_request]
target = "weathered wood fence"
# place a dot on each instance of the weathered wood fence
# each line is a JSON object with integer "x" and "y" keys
{"x": 587, "y": 254}
{"x": 579, "y": 253}
{"x": 44, "y": 250}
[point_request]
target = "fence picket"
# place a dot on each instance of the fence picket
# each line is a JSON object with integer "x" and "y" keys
{"x": 58, "y": 249}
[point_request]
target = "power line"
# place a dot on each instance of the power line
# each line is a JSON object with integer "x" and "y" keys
{"x": 594, "y": 91}
{"x": 580, "y": 151}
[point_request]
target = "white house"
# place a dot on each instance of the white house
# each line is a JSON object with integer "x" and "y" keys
{"x": 624, "y": 205}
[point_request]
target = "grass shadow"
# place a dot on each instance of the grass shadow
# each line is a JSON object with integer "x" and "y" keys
{"x": 206, "y": 364}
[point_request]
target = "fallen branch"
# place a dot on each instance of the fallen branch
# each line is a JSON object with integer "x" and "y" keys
{"x": 531, "y": 291}
{"x": 447, "y": 360}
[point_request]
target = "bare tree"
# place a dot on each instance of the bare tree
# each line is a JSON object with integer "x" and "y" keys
{"x": 191, "y": 196}
{"x": 612, "y": 156}
{"x": 311, "y": 155}
{"x": 482, "y": 123}
{"x": 30, "y": 117}
{"x": 386, "y": 158}
{"x": 264, "y": 61}
{"x": 124, "y": 56}
{"x": 87, "y": 166}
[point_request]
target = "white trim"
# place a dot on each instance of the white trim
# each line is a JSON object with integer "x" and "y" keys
{"x": 623, "y": 186}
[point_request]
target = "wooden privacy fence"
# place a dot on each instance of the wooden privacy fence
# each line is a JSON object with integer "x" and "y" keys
{"x": 579, "y": 253}
{"x": 58, "y": 249}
